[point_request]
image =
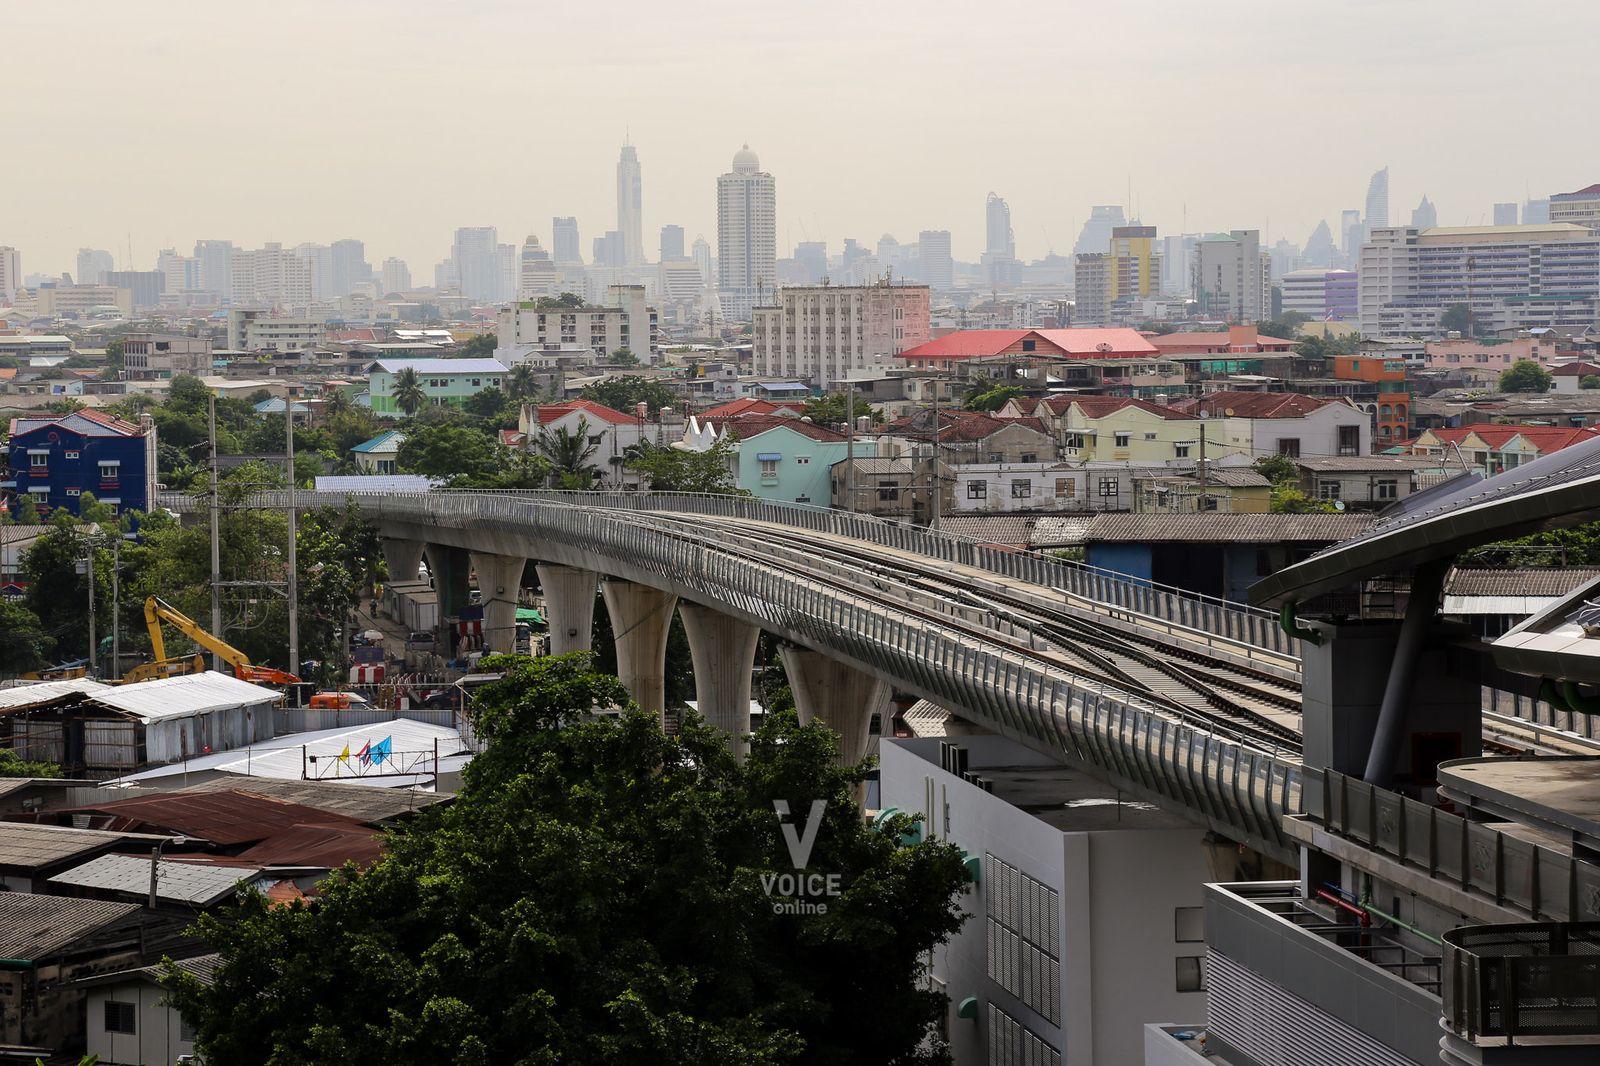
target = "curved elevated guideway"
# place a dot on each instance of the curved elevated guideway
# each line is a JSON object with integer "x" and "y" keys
{"x": 1188, "y": 702}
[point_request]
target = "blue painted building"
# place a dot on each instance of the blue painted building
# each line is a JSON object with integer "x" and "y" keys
{"x": 54, "y": 459}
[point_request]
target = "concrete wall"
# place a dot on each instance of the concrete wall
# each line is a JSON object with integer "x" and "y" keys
{"x": 158, "y": 1035}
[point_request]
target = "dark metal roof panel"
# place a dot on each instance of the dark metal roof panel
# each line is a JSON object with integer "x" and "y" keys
{"x": 34, "y": 927}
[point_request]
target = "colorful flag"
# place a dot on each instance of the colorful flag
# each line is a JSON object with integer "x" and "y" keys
{"x": 344, "y": 756}
{"x": 365, "y": 754}
{"x": 381, "y": 751}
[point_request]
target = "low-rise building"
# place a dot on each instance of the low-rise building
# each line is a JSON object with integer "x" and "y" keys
{"x": 1366, "y": 482}
{"x": 257, "y": 330}
{"x": 443, "y": 381}
{"x": 378, "y": 455}
{"x": 607, "y": 434}
{"x": 626, "y": 321}
{"x": 968, "y": 436}
{"x": 54, "y": 459}
{"x": 788, "y": 459}
{"x": 158, "y": 356}
{"x": 826, "y": 333}
{"x": 1495, "y": 449}
{"x": 1285, "y": 423}
{"x": 955, "y": 350}
{"x": 131, "y": 1019}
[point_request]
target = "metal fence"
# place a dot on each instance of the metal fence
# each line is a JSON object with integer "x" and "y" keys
{"x": 1513, "y": 872}
{"x": 1241, "y": 623}
{"x": 1529, "y": 983}
{"x": 1236, "y": 788}
{"x": 1537, "y": 711}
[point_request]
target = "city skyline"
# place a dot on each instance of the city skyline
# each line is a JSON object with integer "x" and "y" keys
{"x": 790, "y": 119}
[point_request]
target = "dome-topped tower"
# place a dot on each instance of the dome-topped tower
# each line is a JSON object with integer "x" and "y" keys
{"x": 746, "y": 162}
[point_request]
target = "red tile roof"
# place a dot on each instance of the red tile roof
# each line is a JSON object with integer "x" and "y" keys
{"x": 966, "y": 344}
{"x": 1546, "y": 439}
{"x": 1196, "y": 343}
{"x": 550, "y": 412}
{"x": 957, "y": 426}
{"x": 1102, "y": 342}
{"x": 748, "y": 426}
{"x": 513, "y": 438}
{"x": 1254, "y": 404}
{"x": 1085, "y": 343}
{"x": 1101, "y": 406}
{"x": 748, "y": 406}
{"x": 1570, "y": 370}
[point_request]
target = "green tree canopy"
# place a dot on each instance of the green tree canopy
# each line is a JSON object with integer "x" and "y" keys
{"x": 1525, "y": 375}
{"x": 466, "y": 458}
{"x": 680, "y": 470}
{"x": 1277, "y": 468}
{"x": 557, "y": 303}
{"x": 598, "y": 893}
{"x": 1287, "y": 325}
{"x": 622, "y": 393}
{"x": 26, "y": 646}
{"x": 1457, "y": 318}
{"x": 993, "y": 398}
{"x": 830, "y": 409}
{"x": 480, "y": 347}
{"x": 1589, "y": 381}
{"x": 1288, "y": 499}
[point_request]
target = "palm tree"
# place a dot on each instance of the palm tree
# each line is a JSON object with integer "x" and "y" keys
{"x": 522, "y": 383}
{"x": 569, "y": 452}
{"x": 337, "y": 402}
{"x": 407, "y": 391}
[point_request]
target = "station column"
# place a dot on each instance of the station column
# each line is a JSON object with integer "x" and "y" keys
{"x": 403, "y": 557}
{"x": 641, "y": 616}
{"x": 499, "y": 578}
{"x": 569, "y": 606}
{"x": 724, "y": 653}
{"x": 838, "y": 694}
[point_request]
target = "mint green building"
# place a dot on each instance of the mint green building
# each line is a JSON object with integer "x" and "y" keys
{"x": 443, "y": 381}
{"x": 788, "y": 460}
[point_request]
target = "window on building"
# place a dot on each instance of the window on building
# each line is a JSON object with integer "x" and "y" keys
{"x": 108, "y": 471}
{"x": 185, "y": 1030}
{"x": 1289, "y": 446}
{"x": 888, "y": 491}
{"x": 1110, "y": 488}
{"x": 72, "y": 455}
{"x": 74, "y": 492}
{"x": 1030, "y": 457}
{"x": 596, "y": 438}
{"x": 1387, "y": 489}
{"x": 978, "y": 489}
{"x": 1149, "y": 436}
{"x": 477, "y": 383}
{"x": 121, "y": 1017}
{"x": 1066, "y": 488}
{"x": 1180, "y": 451}
{"x": 1122, "y": 440}
{"x": 1189, "y": 925}
{"x": 1191, "y": 973}
{"x": 1029, "y": 346}
{"x": 38, "y": 460}
{"x": 1327, "y": 490}
{"x": 1021, "y": 488}
{"x": 769, "y": 468}
{"x": 1349, "y": 440}
{"x": 802, "y": 460}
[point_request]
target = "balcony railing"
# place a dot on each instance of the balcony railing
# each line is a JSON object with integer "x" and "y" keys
{"x": 1519, "y": 984}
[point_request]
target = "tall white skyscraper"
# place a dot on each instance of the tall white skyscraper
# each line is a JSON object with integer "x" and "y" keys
{"x": 92, "y": 262}
{"x": 1001, "y": 241}
{"x": 1426, "y": 216}
{"x": 938, "y": 265}
{"x": 630, "y": 201}
{"x": 1377, "y": 200}
{"x": 476, "y": 256}
{"x": 564, "y": 246}
{"x": 747, "y": 234}
{"x": 396, "y": 275}
{"x": 216, "y": 267}
{"x": 10, "y": 271}
{"x": 701, "y": 253}
{"x": 1233, "y": 279}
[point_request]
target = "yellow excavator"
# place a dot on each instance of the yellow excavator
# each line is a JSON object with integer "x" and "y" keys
{"x": 156, "y": 611}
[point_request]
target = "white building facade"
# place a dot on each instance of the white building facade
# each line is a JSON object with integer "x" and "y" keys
{"x": 824, "y": 334}
{"x": 747, "y": 234}
{"x": 625, "y": 322}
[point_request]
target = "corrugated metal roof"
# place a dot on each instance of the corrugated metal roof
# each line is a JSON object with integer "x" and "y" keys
{"x": 868, "y": 465}
{"x": 35, "y": 927}
{"x": 1010, "y": 529}
{"x": 1060, "y": 531}
{"x": 328, "y": 846}
{"x": 175, "y": 697}
{"x": 202, "y": 966}
{"x": 455, "y": 367}
{"x": 200, "y": 884}
{"x": 28, "y": 695}
{"x": 1379, "y": 463}
{"x": 372, "y": 806}
{"x": 29, "y": 846}
{"x": 1237, "y": 528}
{"x": 224, "y": 818}
{"x": 1522, "y": 581}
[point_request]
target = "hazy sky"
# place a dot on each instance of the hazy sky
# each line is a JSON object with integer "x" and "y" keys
{"x": 396, "y": 121}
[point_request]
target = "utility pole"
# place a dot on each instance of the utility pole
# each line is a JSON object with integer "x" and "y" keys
{"x": 294, "y": 582}
{"x": 850, "y": 447}
{"x": 933, "y": 476}
{"x": 216, "y": 543}
{"x": 116, "y": 604}
{"x": 89, "y": 569}
{"x": 1202, "y": 465}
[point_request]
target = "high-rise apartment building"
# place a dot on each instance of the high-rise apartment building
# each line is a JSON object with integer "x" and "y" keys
{"x": 270, "y": 276}
{"x": 10, "y": 271}
{"x": 1536, "y": 211}
{"x": 671, "y": 243}
{"x": 1351, "y": 234}
{"x": 179, "y": 273}
{"x": 396, "y": 276}
{"x": 537, "y": 274}
{"x": 1505, "y": 214}
{"x": 349, "y": 267}
{"x": 938, "y": 265}
{"x": 216, "y": 267}
{"x": 630, "y": 204}
{"x": 1378, "y": 200}
{"x": 1000, "y": 239}
{"x": 1096, "y": 233}
{"x": 1321, "y": 294}
{"x": 747, "y": 234}
{"x": 1234, "y": 277}
{"x": 610, "y": 251}
{"x": 475, "y": 253}
{"x": 146, "y": 285}
{"x": 564, "y": 246}
{"x": 1177, "y": 263}
{"x": 1511, "y": 277}
{"x": 1108, "y": 285}
{"x": 1581, "y": 208}
{"x": 1091, "y": 288}
{"x": 824, "y": 334}
{"x": 92, "y": 262}
{"x": 318, "y": 259}
{"x": 812, "y": 256}
{"x": 624, "y": 321}
{"x": 701, "y": 254}
{"x": 508, "y": 269}
{"x": 1426, "y": 216}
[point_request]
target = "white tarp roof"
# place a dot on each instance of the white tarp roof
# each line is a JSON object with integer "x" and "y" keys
{"x": 187, "y": 694}
{"x": 23, "y": 695}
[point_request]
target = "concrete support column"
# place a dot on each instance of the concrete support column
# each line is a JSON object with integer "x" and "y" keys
{"x": 838, "y": 694}
{"x": 499, "y": 578}
{"x": 724, "y": 653}
{"x": 403, "y": 558}
{"x": 449, "y": 567}
{"x": 640, "y": 619}
{"x": 568, "y": 606}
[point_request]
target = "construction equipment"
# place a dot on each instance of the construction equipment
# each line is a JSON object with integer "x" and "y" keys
{"x": 156, "y": 611}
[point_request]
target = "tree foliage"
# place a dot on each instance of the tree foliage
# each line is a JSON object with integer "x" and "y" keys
{"x": 1288, "y": 499}
{"x": 681, "y": 470}
{"x": 1286, "y": 325}
{"x": 26, "y": 646}
{"x": 480, "y": 347}
{"x": 1525, "y": 375}
{"x": 623, "y": 393}
{"x": 993, "y": 398}
{"x": 1589, "y": 381}
{"x": 832, "y": 409}
{"x": 464, "y": 457}
{"x": 595, "y": 895}
{"x": 1277, "y": 469}
{"x": 1457, "y": 318}
{"x": 406, "y": 388}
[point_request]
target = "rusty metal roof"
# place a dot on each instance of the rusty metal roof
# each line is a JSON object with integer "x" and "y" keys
{"x": 26, "y": 846}
{"x": 224, "y": 818}
{"x": 373, "y": 806}
{"x": 327, "y": 846}
{"x": 35, "y": 927}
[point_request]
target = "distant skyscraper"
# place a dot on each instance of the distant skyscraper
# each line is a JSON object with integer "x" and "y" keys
{"x": 179, "y": 273}
{"x": 270, "y": 276}
{"x": 92, "y": 262}
{"x": 1426, "y": 216}
{"x": 747, "y": 234}
{"x": 610, "y": 251}
{"x": 1096, "y": 233}
{"x": 938, "y": 265}
{"x": 1505, "y": 214}
{"x": 1177, "y": 264}
{"x": 537, "y": 276}
{"x": 319, "y": 265}
{"x": 1377, "y": 201}
{"x": 507, "y": 267}
{"x": 350, "y": 266}
{"x": 1320, "y": 250}
{"x": 701, "y": 252}
{"x": 396, "y": 275}
{"x": 630, "y": 203}
{"x": 813, "y": 258}
{"x": 216, "y": 267}
{"x": 10, "y": 271}
{"x": 671, "y": 243}
{"x": 1351, "y": 234}
{"x": 1536, "y": 212}
{"x": 1233, "y": 277}
{"x": 475, "y": 252}
{"x": 1001, "y": 241}
{"x": 564, "y": 244}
